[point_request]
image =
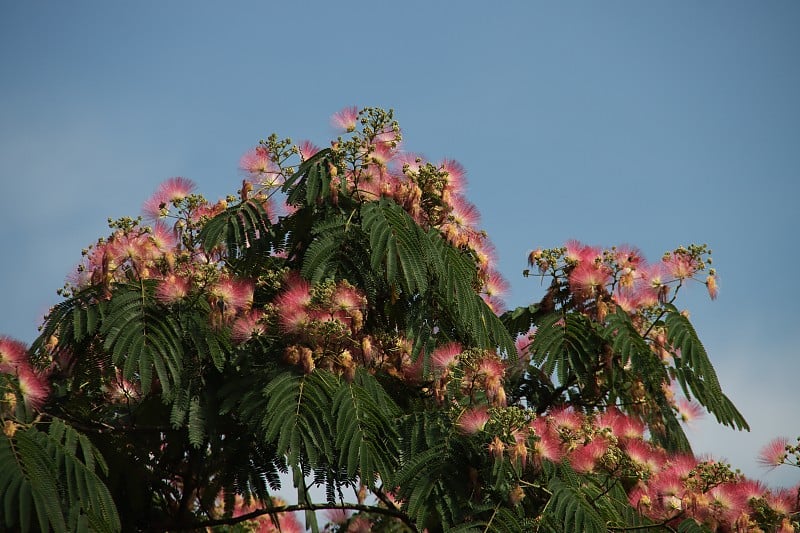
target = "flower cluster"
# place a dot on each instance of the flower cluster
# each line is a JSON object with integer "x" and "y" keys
{"x": 322, "y": 325}
{"x": 283, "y": 522}
{"x": 668, "y": 488}
{"x": 371, "y": 164}
{"x": 19, "y": 379}
{"x": 621, "y": 276}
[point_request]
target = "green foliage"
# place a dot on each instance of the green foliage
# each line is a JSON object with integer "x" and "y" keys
{"x": 297, "y": 415}
{"x": 142, "y": 338}
{"x": 50, "y": 480}
{"x": 365, "y": 434}
{"x": 238, "y": 227}
{"x": 696, "y": 374}
{"x": 350, "y": 343}
{"x": 570, "y": 509}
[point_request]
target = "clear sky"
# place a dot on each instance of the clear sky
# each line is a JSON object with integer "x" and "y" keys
{"x": 649, "y": 123}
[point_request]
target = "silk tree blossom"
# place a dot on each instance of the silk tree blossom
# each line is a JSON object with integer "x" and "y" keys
{"x": 168, "y": 193}
{"x": 584, "y": 458}
{"x": 494, "y": 284}
{"x": 621, "y": 425}
{"x": 172, "y": 289}
{"x": 260, "y": 169}
{"x": 381, "y": 155}
{"x": 566, "y": 418}
{"x": 345, "y": 120}
{"x": 688, "y": 410}
{"x": 643, "y": 454}
{"x": 456, "y": 179}
{"x": 446, "y": 355}
{"x": 473, "y": 420}
{"x": 523, "y": 343}
{"x": 727, "y": 502}
{"x": 268, "y": 523}
{"x": 711, "y": 285}
{"x": 13, "y": 353}
{"x": 463, "y": 213}
{"x": 247, "y": 326}
{"x": 307, "y": 149}
{"x": 163, "y": 238}
{"x": 346, "y": 298}
{"x": 408, "y": 163}
{"x": 33, "y": 386}
{"x": 774, "y": 453}
{"x": 680, "y": 264}
{"x": 577, "y": 252}
{"x": 627, "y": 256}
{"x": 233, "y": 293}
{"x": 588, "y": 279}
{"x": 495, "y": 304}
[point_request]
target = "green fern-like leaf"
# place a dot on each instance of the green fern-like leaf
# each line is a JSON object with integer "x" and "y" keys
{"x": 396, "y": 245}
{"x": 239, "y": 227}
{"x": 564, "y": 345}
{"x": 297, "y": 419}
{"x": 142, "y": 338}
{"x": 569, "y": 507}
{"x": 323, "y": 252}
{"x": 311, "y": 181}
{"x": 695, "y": 372}
{"x": 455, "y": 279}
{"x": 689, "y": 525}
{"x": 365, "y": 431}
{"x": 49, "y": 478}
{"x": 197, "y": 423}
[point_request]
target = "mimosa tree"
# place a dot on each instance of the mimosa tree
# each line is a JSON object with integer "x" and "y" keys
{"x": 338, "y": 324}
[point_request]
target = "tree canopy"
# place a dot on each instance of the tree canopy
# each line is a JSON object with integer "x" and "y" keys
{"x": 338, "y": 324}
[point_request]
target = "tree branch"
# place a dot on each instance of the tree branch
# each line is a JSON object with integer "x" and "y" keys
{"x": 394, "y": 513}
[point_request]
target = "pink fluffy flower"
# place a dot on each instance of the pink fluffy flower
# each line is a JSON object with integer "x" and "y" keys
{"x": 577, "y": 252}
{"x": 293, "y": 303}
{"x": 163, "y": 238}
{"x": 495, "y": 284}
{"x": 247, "y": 326}
{"x": 12, "y": 354}
{"x": 523, "y": 344}
{"x": 548, "y": 447}
{"x": 233, "y": 293}
{"x": 680, "y": 265}
{"x": 583, "y": 458}
{"x": 456, "y": 180}
{"x": 33, "y": 386}
{"x": 257, "y": 164}
{"x": 711, "y": 285}
{"x": 727, "y": 501}
{"x": 628, "y": 257}
{"x": 407, "y": 162}
{"x": 645, "y": 455}
{"x": 337, "y": 516}
{"x": 621, "y": 425}
{"x": 345, "y": 119}
{"x": 588, "y": 278}
{"x": 473, "y": 420}
{"x": 346, "y": 298}
{"x": 445, "y": 355}
{"x": 688, "y": 410}
{"x": 773, "y": 453}
{"x": 464, "y": 213}
{"x": 172, "y": 190}
{"x": 307, "y": 150}
{"x": 172, "y": 289}
{"x": 626, "y": 300}
{"x": 566, "y": 418}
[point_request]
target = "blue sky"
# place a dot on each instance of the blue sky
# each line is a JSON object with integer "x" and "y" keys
{"x": 649, "y": 123}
